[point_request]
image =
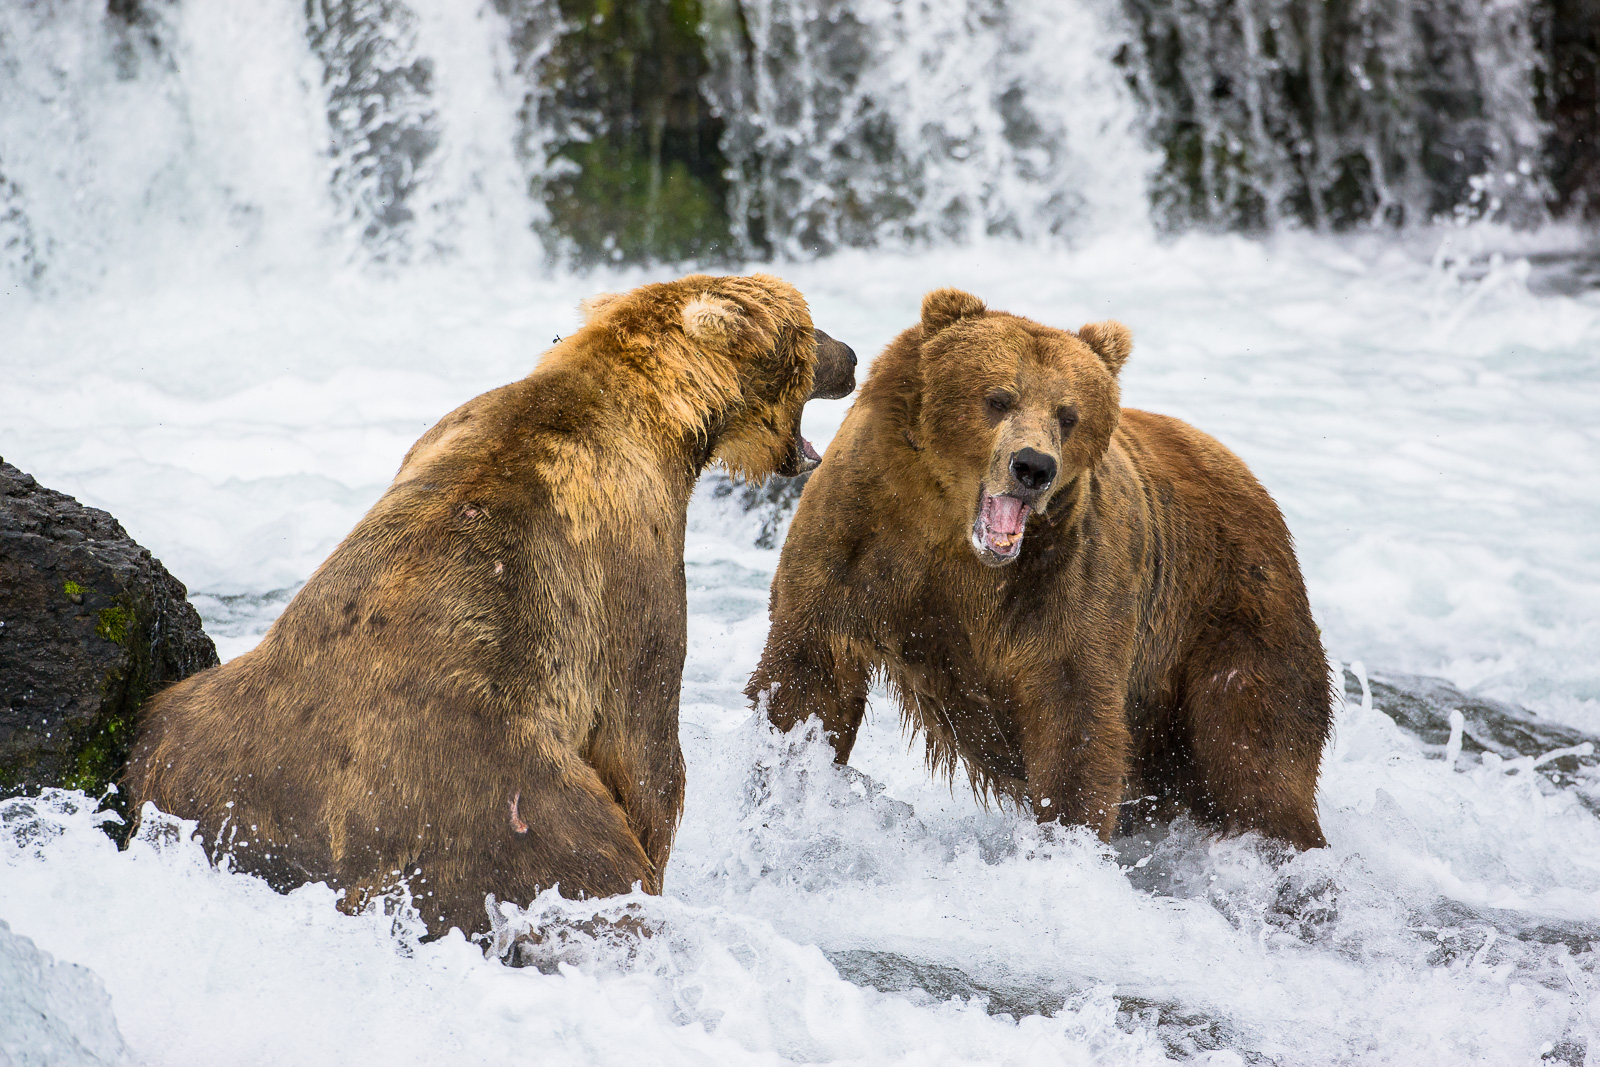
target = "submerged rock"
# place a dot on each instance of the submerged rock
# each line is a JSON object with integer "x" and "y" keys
{"x": 1184, "y": 1032}
{"x": 90, "y": 625}
{"x": 1422, "y": 706}
{"x": 53, "y": 1012}
{"x": 771, "y": 503}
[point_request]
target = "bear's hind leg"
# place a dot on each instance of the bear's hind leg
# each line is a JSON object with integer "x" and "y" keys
{"x": 1256, "y": 721}
{"x": 549, "y": 826}
{"x": 640, "y": 760}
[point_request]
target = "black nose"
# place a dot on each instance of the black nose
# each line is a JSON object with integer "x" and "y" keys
{"x": 1033, "y": 469}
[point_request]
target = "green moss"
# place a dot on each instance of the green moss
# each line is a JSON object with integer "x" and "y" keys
{"x": 113, "y": 625}
{"x": 96, "y": 754}
{"x": 101, "y": 758}
{"x": 103, "y": 749}
{"x": 641, "y": 176}
{"x": 620, "y": 206}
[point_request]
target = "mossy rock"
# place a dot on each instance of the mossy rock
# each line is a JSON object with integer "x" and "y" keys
{"x": 613, "y": 207}
{"x": 90, "y": 626}
{"x": 635, "y": 171}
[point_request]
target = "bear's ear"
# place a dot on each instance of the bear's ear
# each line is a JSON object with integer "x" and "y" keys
{"x": 712, "y": 321}
{"x": 1110, "y": 340}
{"x": 594, "y": 305}
{"x": 945, "y": 307}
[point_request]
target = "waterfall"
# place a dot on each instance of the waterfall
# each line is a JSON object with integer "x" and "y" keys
{"x": 420, "y": 130}
{"x": 1335, "y": 113}
{"x": 127, "y": 133}
{"x": 864, "y": 122}
{"x": 169, "y": 133}
{"x": 165, "y": 134}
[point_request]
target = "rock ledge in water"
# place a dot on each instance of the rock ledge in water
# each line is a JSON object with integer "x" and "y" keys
{"x": 90, "y": 625}
{"x": 771, "y": 502}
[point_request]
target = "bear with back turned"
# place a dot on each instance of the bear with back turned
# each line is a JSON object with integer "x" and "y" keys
{"x": 1082, "y": 604}
{"x": 478, "y": 691}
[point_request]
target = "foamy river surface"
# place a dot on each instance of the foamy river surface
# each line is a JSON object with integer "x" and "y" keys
{"x": 1431, "y": 439}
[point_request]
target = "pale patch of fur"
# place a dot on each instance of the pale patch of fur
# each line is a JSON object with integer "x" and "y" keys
{"x": 710, "y": 320}
{"x": 592, "y": 505}
{"x": 425, "y": 451}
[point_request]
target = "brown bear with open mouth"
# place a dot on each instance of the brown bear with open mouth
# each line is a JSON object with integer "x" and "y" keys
{"x": 478, "y": 691}
{"x": 1086, "y": 605}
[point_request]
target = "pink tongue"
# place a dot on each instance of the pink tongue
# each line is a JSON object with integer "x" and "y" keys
{"x": 810, "y": 450}
{"x": 1006, "y": 514}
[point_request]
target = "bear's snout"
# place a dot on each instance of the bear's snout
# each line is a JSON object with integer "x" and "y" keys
{"x": 1033, "y": 470}
{"x": 835, "y": 375}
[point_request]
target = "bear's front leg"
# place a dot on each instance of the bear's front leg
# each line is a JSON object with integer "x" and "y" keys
{"x": 1076, "y": 749}
{"x": 803, "y": 673}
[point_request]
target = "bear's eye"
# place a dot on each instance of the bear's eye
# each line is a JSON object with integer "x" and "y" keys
{"x": 1068, "y": 418}
{"x": 999, "y": 403}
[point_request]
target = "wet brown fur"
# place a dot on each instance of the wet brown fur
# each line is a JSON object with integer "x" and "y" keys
{"x": 1153, "y": 637}
{"x": 479, "y": 688}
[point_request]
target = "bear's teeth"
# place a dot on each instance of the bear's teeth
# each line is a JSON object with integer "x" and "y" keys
{"x": 1005, "y": 515}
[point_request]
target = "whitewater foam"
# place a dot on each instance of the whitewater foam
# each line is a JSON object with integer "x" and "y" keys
{"x": 1427, "y": 437}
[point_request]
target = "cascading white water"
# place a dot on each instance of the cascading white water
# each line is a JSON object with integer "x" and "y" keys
{"x": 421, "y": 130}
{"x": 139, "y": 144}
{"x": 204, "y": 129}
{"x": 879, "y": 121}
{"x": 397, "y": 131}
{"x": 1338, "y": 114}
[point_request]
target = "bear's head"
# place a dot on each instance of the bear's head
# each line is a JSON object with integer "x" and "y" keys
{"x": 735, "y": 359}
{"x": 1009, "y": 413}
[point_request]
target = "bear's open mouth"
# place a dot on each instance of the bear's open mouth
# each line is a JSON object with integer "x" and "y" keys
{"x": 803, "y": 455}
{"x": 997, "y": 531}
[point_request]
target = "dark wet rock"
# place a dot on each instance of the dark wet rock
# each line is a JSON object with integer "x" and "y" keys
{"x": 628, "y": 147}
{"x": 90, "y": 625}
{"x": 1450, "y": 915}
{"x": 1558, "y": 273}
{"x": 1184, "y": 1032}
{"x": 1421, "y": 706}
{"x": 771, "y": 502}
{"x": 890, "y": 972}
{"x": 1570, "y": 1051}
{"x": 1332, "y": 115}
{"x": 1568, "y": 98}
{"x": 1564, "y": 273}
{"x": 1336, "y": 115}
